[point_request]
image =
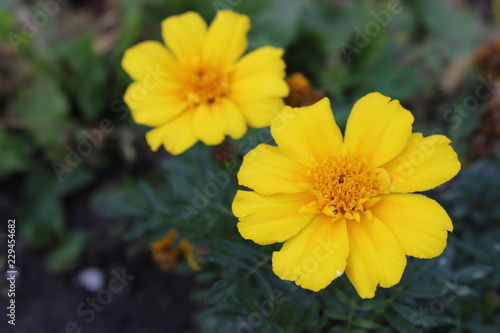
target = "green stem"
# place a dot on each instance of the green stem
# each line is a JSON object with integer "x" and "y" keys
{"x": 351, "y": 315}
{"x": 258, "y": 266}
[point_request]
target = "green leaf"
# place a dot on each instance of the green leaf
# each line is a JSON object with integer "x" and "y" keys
{"x": 6, "y": 22}
{"x": 277, "y": 30}
{"x": 481, "y": 328}
{"x": 16, "y": 150}
{"x": 66, "y": 255}
{"x": 363, "y": 323}
{"x": 139, "y": 228}
{"x": 401, "y": 324}
{"x": 418, "y": 291}
{"x": 151, "y": 199}
{"x": 372, "y": 304}
{"x": 118, "y": 208}
{"x": 221, "y": 290}
{"x": 228, "y": 260}
{"x": 335, "y": 314}
{"x": 472, "y": 273}
{"x": 43, "y": 112}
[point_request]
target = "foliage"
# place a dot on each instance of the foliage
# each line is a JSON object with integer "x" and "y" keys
{"x": 66, "y": 85}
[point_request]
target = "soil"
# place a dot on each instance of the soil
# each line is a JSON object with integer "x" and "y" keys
{"x": 144, "y": 300}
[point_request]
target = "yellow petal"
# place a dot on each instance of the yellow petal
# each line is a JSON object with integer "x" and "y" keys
{"x": 148, "y": 60}
{"x": 204, "y": 126}
{"x": 260, "y": 85}
{"x": 226, "y": 38}
{"x": 270, "y": 219}
{"x": 177, "y": 135}
{"x": 307, "y": 134}
{"x": 266, "y": 59}
{"x": 378, "y": 129}
{"x": 315, "y": 256}
{"x": 185, "y": 35}
{"x": 375, "y": 257}
{"x": 419, "y": 223}
{"x": 423, "y": 164}
{"x": 259, "y": 74}
{"x": 154, "y": 106}
{"x": 267, "y": 171}
{"x": 259, "y": 112}
{"x": 229, "y": 118}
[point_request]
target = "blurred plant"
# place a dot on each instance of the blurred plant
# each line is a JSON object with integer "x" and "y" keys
{"x": 53, "y": 112}
{"x": 483, "y": 141}
{"x": 224, "y": 154}
{"x": 487, "y": 59}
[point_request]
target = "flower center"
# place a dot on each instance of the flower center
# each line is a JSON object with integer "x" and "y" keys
{"x": 347, "y": 187}
{"x": 205, "y": 84}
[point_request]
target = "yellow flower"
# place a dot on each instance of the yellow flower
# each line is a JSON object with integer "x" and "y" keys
{"x": 345, "y": 204}
{"x": 198, "y": 87}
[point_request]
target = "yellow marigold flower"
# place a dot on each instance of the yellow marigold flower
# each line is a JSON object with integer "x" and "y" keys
{"x": 198, "y": 87}
{"x": 345, "y": 204}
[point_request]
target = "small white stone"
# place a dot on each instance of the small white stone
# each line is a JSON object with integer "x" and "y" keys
{"x": 339, "y": 273}
{"x": 92, "y": 279}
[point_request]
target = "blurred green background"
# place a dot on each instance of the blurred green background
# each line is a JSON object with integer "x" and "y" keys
{"x": 86, "y": 191}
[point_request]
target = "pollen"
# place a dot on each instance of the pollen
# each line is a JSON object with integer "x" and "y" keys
{"x": 204, "y": 84}
{"x": 347, "y": 187}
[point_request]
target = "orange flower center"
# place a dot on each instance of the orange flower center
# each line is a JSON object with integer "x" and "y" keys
{"x": 205, "y": 84}
{"x": 346, "y": 186}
